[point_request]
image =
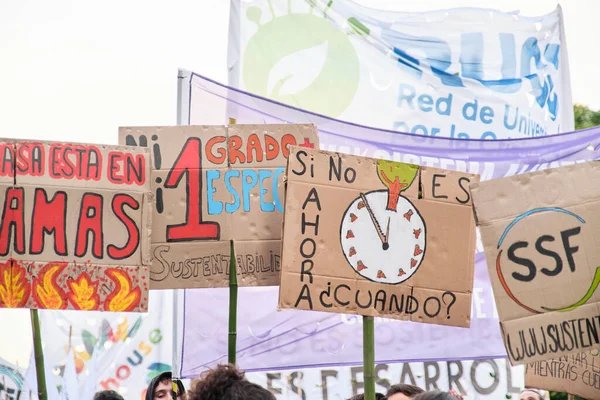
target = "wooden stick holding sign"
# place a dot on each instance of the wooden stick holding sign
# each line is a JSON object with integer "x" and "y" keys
{"x": 38, "y": 355}
{"x": 369, "y": 357}
{"x": 233, "y": 292}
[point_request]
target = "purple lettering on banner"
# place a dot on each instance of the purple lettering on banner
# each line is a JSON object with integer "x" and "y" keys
{"x": 268, "y": 339}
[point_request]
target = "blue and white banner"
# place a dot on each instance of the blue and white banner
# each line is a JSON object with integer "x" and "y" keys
{"x": 459, "y": 73}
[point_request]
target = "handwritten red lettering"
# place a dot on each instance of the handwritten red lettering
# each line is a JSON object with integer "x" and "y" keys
{"x": 13, "y": 220}
{"x": 133, "y": 233}
{"x": 49, "y": 217}
{"x": 126, "y": 168}
{"x": 30, "y": 159}
{"x": 81, "y": 162}
{"x": 7, "y": 159}
{"x": 222, "y": 153}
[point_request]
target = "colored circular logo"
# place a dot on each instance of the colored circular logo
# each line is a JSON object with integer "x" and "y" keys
{"x": 301, "y": 60}
{"x": 540, "y": 252}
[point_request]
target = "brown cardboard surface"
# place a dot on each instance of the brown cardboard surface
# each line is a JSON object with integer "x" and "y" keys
{"x": 339, "y": 256}
{"x": 241, "y": 172}
{"x": 455, "y": 185}
{"x": 577, "y": 374}
{"x": 539, "y": 234}
{"x": 76, "y": 243}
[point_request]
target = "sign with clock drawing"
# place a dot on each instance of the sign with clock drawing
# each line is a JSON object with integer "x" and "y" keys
{"x": 375, "y": 237}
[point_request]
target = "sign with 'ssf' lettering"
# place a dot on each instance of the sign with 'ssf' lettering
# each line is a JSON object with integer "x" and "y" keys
{"x": 539, "y": 233}
{"x": 214, "y": 184}
{"x": 75, "y": 228}
{"x": 378, "y": 238}
{"x": 577, "y": 374}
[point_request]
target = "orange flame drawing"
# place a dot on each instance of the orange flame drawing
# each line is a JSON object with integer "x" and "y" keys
{"x": 123, "y": 298}
{"x": 46, "y": 291}
{"x": 84, "y": 293}
{"x": 14, "y": 287}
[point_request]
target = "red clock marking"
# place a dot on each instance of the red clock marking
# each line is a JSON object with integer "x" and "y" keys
{"x": 361, "y": 204}
{"x": 353, "y": 217}
{"x": 408, "y": 214}
{"x": 352, "y": 252}
{"x": 413, "y": 262}
{"x": 417, "y": 233}
{"x": 349, "y": 234}
{"x": 380, "y": 274}
{"x": 401, "y": 272}
{"x": 360, "y": 266}
{"x": 418, "y": 250}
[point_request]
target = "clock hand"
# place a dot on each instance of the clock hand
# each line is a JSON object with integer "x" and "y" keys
{"x": 387, "y": 232}
{"x": 377, "y": 227}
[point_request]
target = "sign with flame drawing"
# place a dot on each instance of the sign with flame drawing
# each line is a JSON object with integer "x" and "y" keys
{"x": 540, "y": 236}
{"x": 75, "y": 228}
{"x": 214, "y": 184}
{"x": 379, "y": 238}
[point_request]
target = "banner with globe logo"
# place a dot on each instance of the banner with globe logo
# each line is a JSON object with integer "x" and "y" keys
{"x": 460, "y": 73}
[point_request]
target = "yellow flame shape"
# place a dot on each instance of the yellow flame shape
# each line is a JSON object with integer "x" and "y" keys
{"x": 84, "y": 294}
{"x": 45, "y": 288}
{"x": 14, "y": 289}
{"x": 123, "y": 298}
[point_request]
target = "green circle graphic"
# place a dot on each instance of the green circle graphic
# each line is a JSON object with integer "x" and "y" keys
{"x": 332, "y": 91}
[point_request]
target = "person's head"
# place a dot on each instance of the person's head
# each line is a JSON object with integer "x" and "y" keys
{"x": 227, "y": 383}
{"x": 378, "y": 396}
{"x": 108, "y": 395}
{"x": 160, "y": 387}
{"x": 532, "y": 394}
{"x": 437, "y": 395}
{"x": 403, "y": 392}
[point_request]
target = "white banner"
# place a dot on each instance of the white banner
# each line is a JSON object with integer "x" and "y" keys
{"x": 131, "y": 348}
{"x": 482, "y": 379}
{"x": 460, "y": 73}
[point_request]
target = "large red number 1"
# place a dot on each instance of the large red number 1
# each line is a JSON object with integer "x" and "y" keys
{"x": 189, "y": 163}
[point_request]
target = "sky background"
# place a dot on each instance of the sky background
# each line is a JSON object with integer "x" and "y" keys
{"x": 76, "y": 70}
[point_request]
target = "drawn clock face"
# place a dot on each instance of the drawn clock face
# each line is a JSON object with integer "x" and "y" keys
{"x": 383, "y": 245}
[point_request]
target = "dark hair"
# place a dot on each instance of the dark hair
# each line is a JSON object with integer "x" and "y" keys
{"x": 158, "y": 379}
{"x": 408, "y": 390}
{"x": 180, "y": 387}
{"x": 434, "y": 395}
{"x": 378, "y": 396}
{"x": 108, "y": 395}
{"x": 227, "y": 383}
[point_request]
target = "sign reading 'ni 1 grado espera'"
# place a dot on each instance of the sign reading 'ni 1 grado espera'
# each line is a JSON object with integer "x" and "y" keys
{"x": 214, "y": 184}
{"x": 377, "y": 238}
{"x": 540, "y": 232}
{"x": 75, "y": 228}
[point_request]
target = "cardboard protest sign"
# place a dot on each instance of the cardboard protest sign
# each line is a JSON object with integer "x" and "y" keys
{"x": 75, "y": 228}
{"x": 542, "y": 249}
{"x": 361, "y": 238}
{"x": 214, "y": 184}
{"x": 577, "y": 374}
